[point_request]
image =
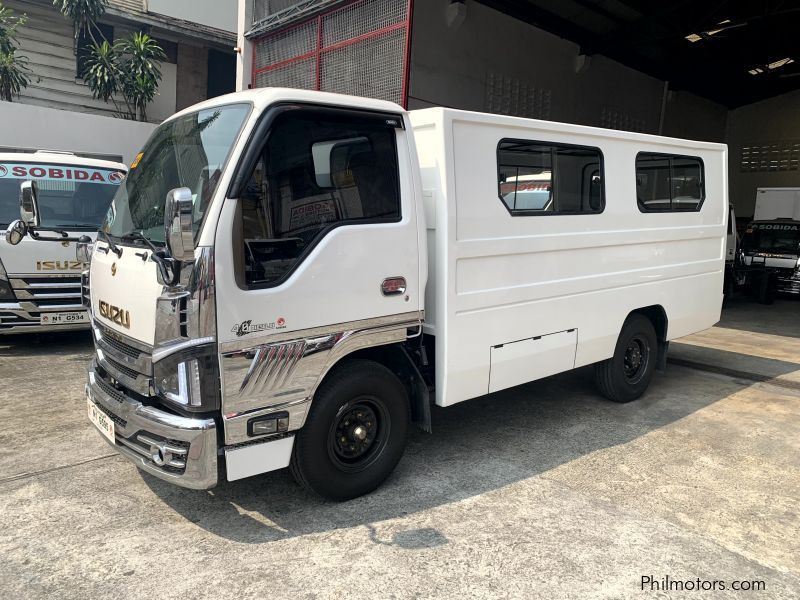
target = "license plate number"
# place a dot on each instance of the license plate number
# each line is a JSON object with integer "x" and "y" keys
{"x": 101, "y": 420}
{"x": 64, "y": 318}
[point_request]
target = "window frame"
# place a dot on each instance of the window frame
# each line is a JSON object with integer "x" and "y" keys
{"x": 255, "y": 149}
{"x": 645, "y": 210}
{"x": 553, "y": 145}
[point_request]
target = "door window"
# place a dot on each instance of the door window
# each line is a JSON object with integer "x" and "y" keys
{"x": 320, "y": 169}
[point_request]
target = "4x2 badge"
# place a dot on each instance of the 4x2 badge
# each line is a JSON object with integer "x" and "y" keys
{"x": 246, "y": 327}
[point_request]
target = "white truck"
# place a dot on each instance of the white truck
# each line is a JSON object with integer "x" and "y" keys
{"x": 40, "y": 278}
{"x": 288, "y": 278}
{"x": 770, "y": 257}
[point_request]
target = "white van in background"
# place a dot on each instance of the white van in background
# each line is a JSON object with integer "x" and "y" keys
{"x": 40, "y": 278}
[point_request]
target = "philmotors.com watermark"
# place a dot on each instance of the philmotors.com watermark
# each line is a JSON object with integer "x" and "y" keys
{"x": 648, "y": 583}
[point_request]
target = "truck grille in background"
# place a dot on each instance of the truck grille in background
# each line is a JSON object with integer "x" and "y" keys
{"x": 37, "y": 294}
{"x": 360, "y": 48}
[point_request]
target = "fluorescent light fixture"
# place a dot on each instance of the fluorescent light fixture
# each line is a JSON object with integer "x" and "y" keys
{"x": 780, "y": 63}
{"x": 693, "y": 37}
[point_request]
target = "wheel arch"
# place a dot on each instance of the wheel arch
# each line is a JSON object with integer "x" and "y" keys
{"x": 396, "y": 358}
{"x": 656, "y": 314}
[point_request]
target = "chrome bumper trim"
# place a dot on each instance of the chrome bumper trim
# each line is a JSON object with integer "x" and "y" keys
{"x": 200, "y": 468}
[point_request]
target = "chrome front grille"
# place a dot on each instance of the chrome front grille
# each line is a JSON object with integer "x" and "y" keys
{"x": 110, "y": 390}
{"x": 122, "y": 347}
{"x": 37, "y": 295}
{"x": 48, "y": 292}
{"x": 125, "y": 360}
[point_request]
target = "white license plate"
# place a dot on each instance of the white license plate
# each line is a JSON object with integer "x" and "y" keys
{"x": 101, "y": 420}
{"x": 64, "y": 318}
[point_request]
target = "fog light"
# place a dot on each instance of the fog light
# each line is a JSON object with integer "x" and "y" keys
{"x": 264, "y": 425}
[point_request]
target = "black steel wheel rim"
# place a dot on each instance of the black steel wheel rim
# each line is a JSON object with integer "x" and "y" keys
{"x": 636, "y": 359}
{"x": 359, "y": 433}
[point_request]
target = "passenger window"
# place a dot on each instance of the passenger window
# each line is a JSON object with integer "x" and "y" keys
{"x": 669, "y": 182}
{"x": 319, "y": 170}
{"x": 545, "y": 178}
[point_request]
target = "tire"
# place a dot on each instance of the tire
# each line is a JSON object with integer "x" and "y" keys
{"x": 768, "y": 288}
{"x": 622, "y": 378}
{"x": 330, "y": 456}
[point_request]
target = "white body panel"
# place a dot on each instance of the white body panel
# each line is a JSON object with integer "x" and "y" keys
{"x": 495, "y": 278}
{"x": 128, "y": 283}
{"x": 258, "y": 458}
{"x": 777, "y": 203}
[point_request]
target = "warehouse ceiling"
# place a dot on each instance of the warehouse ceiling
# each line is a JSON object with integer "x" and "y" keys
{"x": 732, "y": 52}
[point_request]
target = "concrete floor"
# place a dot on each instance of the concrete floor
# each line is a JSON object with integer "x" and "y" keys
{"x": 544, "y": 491}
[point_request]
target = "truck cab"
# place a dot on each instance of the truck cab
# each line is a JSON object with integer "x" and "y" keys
{"x": 40, "y": 277}
{"x": 771, "y": 255}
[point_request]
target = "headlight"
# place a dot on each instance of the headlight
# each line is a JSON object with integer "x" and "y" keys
{"x": 189, "y": 379}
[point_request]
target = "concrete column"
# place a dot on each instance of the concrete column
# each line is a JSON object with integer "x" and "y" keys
{"x": 192, "y": 85}
{"x": 244, "y": 60}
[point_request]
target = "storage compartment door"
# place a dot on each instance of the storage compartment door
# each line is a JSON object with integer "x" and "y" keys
{"x": 519, "y": 362}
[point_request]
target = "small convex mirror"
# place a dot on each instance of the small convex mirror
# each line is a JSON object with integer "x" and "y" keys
{"x": 29, "y": 203}
{"x": 15, "y": 232}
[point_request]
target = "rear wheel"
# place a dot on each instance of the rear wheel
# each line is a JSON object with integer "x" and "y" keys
{"x": 355, "y": 433}
{"x": 625, "y": 376}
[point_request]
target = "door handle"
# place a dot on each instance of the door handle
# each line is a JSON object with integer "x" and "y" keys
{"x": 393, "y": 286}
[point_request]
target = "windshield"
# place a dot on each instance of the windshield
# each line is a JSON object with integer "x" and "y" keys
{"x": 190, "y": 151}
{"x": 772, "y": 237}
{"x": 70, "y": 196}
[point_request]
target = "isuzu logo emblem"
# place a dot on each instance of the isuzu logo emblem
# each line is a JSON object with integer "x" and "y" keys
{"x": 115, "y": 314}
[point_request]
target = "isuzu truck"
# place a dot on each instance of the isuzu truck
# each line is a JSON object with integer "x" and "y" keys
{"x": 289, "y": 278}
{"x": 771, "y": 244}
{"x": 40, "y": 278}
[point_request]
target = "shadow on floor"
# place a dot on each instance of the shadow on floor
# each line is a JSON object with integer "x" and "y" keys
{"x": 781, "y": 318}
{"x": 476, "y": 447}
{"x": 40, "y": 344}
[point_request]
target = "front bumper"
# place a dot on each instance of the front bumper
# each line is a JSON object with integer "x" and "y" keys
{"x": 22, "y": 317}
{"x": 180, "y": 450}
{"x": 788, "y": 285}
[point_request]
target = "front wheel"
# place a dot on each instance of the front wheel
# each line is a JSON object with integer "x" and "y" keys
{"x": 625, "y": 376}
{"x": 355, "y": 433}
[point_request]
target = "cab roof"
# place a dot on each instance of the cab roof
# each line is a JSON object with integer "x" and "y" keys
{"x": 262, "y": 97}
{"x": 60, "y": 158}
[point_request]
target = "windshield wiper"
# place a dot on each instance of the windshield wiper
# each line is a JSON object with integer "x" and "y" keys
{"x": 159, "y": 256}
{"x": 114, "y": 248}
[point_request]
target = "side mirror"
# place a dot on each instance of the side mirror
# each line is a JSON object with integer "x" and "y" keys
{"x": 178, "y": 211}
{"x": 29, "y": 203}
{"x": 15, "y": 232}
{"x": 84, "y": 249}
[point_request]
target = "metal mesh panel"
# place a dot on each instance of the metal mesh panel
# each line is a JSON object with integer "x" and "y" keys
{"x": 286, "y": 44}
{"x": 298, "y": 74}
{"x": 361, "y": 50}
{"x": 372, "y": 68}
{"x": 362, "y": 18}
{"x": 265, "y": 8}
{"x": 509, "y": 95}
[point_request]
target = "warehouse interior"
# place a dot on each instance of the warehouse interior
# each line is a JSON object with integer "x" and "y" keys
{"x": 725, "y": 71}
